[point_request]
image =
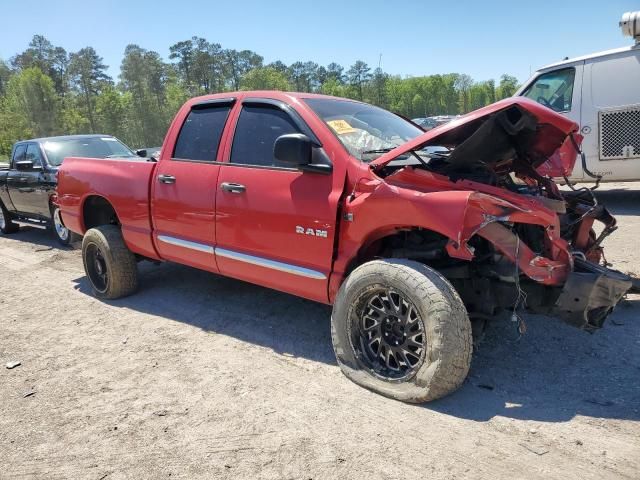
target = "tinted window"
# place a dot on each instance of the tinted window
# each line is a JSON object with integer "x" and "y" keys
{"x": 19, "y": 153}
{"x": 200, "y": 135}
{"x": 33, "y": 154}
{"x": 90, "y": 147}
{"x": 256, "y": 133}
{"x": 553, "y": 89}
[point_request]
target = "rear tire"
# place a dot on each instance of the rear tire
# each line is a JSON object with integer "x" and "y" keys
{"x": 63, "y": 235}
{"x": 110, "y": 266}
{"x": 7, "y": 225}
{"x": 400, "y": 329}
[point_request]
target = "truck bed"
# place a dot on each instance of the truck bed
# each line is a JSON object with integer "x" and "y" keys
{"x": 85, "y": 179}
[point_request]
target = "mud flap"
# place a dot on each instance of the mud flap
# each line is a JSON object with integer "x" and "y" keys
{"x": 590, "y": 294}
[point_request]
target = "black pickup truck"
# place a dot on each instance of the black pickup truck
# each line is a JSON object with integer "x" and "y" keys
{"x": 28, "y": 183}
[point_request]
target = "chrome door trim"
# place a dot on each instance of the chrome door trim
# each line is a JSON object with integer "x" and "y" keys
{"x": 200, "y": 247}
{"x": 272, "y": 264}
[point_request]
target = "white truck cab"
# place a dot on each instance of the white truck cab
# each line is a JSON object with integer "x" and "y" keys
{"x": 601, "y": 93}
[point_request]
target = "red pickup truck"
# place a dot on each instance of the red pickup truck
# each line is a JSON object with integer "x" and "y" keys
{"x": 412, "y": 236}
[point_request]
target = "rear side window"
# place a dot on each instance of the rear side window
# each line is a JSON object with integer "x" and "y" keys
{"x": 256, "y": 133}
{"x": 19, "y": 153}
{"x": 200, "y": 134}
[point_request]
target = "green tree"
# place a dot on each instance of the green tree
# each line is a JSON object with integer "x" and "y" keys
{"x": 111, "y": 112}
{"x": 237, "y": 64}
{"x": 31, "y": 100}
{"x": 507, "y": 87}
{"x": 265, "y": 78}
{"x": 359, "y": 74}
{"x": 88, "y": 77}
{"x": 51, "y": 60}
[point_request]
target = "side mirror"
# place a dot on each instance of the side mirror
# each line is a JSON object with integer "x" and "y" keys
{"x": 24, "y": 165}
{"x": 142, "y": 152}
{"x": 294, "y": 149}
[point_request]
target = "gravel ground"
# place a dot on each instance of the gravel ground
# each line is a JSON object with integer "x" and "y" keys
{"x": 199, "y": 376}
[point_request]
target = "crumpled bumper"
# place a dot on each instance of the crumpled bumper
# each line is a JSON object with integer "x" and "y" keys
{"x": 590, "y": 294}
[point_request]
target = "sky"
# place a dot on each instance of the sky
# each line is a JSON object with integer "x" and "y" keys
{"x": 481, "y": 38}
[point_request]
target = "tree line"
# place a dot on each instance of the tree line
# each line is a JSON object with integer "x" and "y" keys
{"x": 46, "y": 90}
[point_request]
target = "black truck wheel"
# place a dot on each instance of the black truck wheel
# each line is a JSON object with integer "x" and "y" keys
{"x": 109, "y": 264}
{"x": 400, "y": 329}
{"x": 6, "y": 223}
{"x": 63, "y": 235}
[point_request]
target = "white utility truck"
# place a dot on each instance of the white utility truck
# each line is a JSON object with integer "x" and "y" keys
{"x": 600, "y": 92}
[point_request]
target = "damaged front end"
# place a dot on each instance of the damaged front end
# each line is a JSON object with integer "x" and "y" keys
{"x": 523, "y": 241}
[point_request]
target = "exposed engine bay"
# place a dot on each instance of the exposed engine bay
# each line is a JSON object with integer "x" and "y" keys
{"x": 535, "y": 246}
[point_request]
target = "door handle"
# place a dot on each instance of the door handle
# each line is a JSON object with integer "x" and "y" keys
{"x": 166, "y": 179}
{"x": 233, "y": 187}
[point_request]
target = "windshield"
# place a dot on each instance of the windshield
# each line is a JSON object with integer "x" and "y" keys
{"x": 92, "y": 147}
{"x": 366, "y": 131}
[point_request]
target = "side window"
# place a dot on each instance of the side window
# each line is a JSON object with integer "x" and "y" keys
{"x": 256, "y": 133}
{"x": 34, "y": 155}
{"x": 19, "y": 154}
{"x": 199, "y": 137}
{"x": 553, "y": 89}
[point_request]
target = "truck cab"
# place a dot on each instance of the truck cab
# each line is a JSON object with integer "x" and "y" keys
{"x": 600, "y": 93}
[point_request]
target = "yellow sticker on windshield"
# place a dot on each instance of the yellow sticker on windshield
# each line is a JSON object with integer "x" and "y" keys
{"x": 341, "y": 126}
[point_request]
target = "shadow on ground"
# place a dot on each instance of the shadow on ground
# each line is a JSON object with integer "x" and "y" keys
{"x": 552, "y": 374}
{"x": 36, "y": 236}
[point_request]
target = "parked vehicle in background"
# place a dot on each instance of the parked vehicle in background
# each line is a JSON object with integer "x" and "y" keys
{"x": 410, "y": 235}
{"x": 600, "y": 92}
{"x": 432, "y": 122}
{"x": 28, "y": 183}
{"x": 149, "y": 152}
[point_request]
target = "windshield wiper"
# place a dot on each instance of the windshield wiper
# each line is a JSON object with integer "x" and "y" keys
{"x": 378, "y": 150}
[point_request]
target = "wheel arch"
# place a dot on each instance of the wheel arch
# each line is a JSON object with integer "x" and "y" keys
{"x": 379, "y": 240}
{"x": 97, "y": 210}
{"x": 373, "y": 246}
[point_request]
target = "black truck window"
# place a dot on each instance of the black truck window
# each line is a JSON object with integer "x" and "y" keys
{"x": 256, "y": 133}
{"x": 33, "y": 154}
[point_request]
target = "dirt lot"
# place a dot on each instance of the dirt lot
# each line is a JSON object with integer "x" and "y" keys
{"x": 199, "y": 376}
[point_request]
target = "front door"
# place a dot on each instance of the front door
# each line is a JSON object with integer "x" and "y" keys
{"x": 184, "y": 189}
{"x": 30, "y": 189}
{"x": 275, "y": 224}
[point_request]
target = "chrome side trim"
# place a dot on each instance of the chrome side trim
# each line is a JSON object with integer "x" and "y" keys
{"x": 273, "y": 264}
{"x": 200, "y": 247}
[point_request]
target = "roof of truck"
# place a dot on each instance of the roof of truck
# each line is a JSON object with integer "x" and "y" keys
{"x": 64, "y": 137}
{"x": 590, "y": 56}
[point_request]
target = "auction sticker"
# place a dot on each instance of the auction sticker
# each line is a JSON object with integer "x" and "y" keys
{"x": 341, "y": 126}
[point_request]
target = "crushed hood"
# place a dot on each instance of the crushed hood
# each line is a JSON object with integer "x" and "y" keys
{"x": 497, "y": 135}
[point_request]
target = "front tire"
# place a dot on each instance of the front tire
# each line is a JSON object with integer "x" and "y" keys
{"x": 7, "y": 225}
{"x": 400, "y": 329}
{"x": 110, "y": 266}
{"x": 64, "y": 236}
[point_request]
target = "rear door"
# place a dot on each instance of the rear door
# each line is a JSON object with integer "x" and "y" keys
{"x": 275, "y": 225}
{"x": 184, "y": 188}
